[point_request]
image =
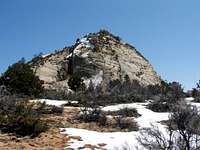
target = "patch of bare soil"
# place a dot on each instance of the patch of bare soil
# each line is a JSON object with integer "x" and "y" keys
{"x": 50, "y": 140}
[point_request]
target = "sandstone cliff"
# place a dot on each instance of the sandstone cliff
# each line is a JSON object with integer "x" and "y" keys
{"x": 96, "y": 56}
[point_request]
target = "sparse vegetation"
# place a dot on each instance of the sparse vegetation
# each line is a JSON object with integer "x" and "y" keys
{"x": 89, "y": 114}
{"x": 160, "y": 106}
{"x": 90, "y": 111}
{"x": 54, "y": 94}
{"x": 115, "y": 92}
{"x": 183, "y": 131}
{"x": 196, "y": 92}
{"x": 124, "y": 112}
{"x": 75, "y": 82}
{"x": 169, "y": 94}
{"x": 37, "y": 59}
{"x": 48, "y": 109}
{"x": 99, "y": 117}
{"x": 125, "y": 123}
{"x": 20, "y": 117}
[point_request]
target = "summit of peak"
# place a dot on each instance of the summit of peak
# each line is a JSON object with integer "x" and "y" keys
{"x": 93, "y": 55}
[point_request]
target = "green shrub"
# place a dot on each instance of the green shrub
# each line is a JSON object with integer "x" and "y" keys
{"x": 20, "y": 78}
{"x": 90, "y": 115}
{"x": 20, "y": 116}
{"x": 43, "y": 108}
{"x": 75, "y": 82}
{"x": 159, "y": 106}
{"x": 25, "y": 120}
{"x": 125, "y": 112}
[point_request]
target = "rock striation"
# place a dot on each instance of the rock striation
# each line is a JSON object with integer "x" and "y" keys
{"x": 95, "y": 57}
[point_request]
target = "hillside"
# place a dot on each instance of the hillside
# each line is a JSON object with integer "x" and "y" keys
{"x": 123, "y": 104}
{"x": 95, "y": 57}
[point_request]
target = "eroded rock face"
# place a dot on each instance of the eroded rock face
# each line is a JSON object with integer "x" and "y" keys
{"x": 53, "y": 69}
{"x": 96, "y": 57}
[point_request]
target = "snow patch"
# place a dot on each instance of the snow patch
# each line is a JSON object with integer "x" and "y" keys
{"x": 96, "y": 80}
{"x": 84, "y": 42}
{"x": 115, "y": 140}
{"x": 51, "y": 102}
{"x": 189, "y": 99}
{"x": 147, "y": 117}
{"x": 43, "y": 56}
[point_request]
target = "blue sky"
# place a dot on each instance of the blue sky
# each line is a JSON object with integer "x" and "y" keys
{"x": 167, "y": 32}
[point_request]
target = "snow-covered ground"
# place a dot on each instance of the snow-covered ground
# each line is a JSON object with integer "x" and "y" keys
{"x": 113, "y": 141}
{"x": 148, "y": 116}
{"x": 57, "y": 103}
{"x": 189, "y": 100}
{"x": 117, "y": 140}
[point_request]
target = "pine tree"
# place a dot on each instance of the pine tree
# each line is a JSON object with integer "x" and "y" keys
{"x": 20, "y": 78}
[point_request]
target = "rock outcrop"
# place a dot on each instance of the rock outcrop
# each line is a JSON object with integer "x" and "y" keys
{"x": 96, "y": 56}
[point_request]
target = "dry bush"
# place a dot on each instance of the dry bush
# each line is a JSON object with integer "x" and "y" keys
{"x": 183, "y": 132}
{"x": 48, "y": 109}
{"x": 153, "y": 139}
{"x": 125, "y": 124}
{"x": 170, "y": 94}
{"x": 159, "y": 106}
{"x": 124, "y": 112}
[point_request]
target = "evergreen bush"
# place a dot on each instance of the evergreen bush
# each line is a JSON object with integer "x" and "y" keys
{"x": 20, "y": 78}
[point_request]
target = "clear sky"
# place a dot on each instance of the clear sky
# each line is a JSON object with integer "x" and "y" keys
{"x": 166, "y": 32}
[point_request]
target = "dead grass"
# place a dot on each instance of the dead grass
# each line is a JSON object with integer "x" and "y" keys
{"x": 50, "y": 139}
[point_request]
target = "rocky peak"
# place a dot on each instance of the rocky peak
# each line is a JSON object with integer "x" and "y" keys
{"x": 95, "y": 57}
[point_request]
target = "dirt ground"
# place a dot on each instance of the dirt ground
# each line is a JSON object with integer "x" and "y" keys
{"x": 49, "y": 140}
